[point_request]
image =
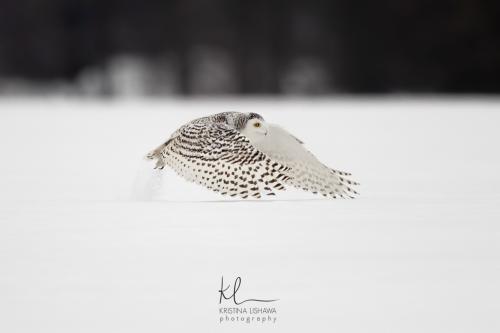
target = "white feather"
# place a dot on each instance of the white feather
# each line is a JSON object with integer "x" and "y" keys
{"x": 306, "y": 171}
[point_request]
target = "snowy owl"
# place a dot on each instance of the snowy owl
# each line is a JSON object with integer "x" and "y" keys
{"x": 239, "y": 154}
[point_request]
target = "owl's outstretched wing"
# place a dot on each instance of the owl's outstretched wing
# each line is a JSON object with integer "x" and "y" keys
{"x": 305, "y": 170}
{"x": 220, "y": 158}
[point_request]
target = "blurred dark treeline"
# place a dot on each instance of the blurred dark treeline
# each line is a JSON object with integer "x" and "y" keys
{"x": 259, "y": 46}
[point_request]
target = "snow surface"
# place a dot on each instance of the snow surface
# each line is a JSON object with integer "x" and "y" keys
{"x": 93, "y": 240}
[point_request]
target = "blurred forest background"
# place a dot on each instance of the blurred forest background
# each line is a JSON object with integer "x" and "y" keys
{"x": 130, "y": 47}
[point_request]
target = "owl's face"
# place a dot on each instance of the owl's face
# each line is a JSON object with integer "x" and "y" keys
{"x": 255, "y": 129}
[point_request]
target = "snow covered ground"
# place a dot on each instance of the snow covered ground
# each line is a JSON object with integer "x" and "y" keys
{"x": 93, "y": 240}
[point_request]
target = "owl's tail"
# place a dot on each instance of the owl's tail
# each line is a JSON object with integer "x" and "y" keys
{"x": 157, "y": 155}
{"x": 152, "y": 155}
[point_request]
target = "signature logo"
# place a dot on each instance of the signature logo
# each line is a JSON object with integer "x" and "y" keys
{"x": 236, "y": 287}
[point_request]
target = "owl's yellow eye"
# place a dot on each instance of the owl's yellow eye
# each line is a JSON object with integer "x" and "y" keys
{"x": 256, "y": 125}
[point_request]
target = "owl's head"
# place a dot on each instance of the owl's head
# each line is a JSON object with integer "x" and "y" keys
{"x": 255, "y": 127}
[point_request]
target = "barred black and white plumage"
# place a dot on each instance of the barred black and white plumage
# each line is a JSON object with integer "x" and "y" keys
{"x": 239, "y": 154}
